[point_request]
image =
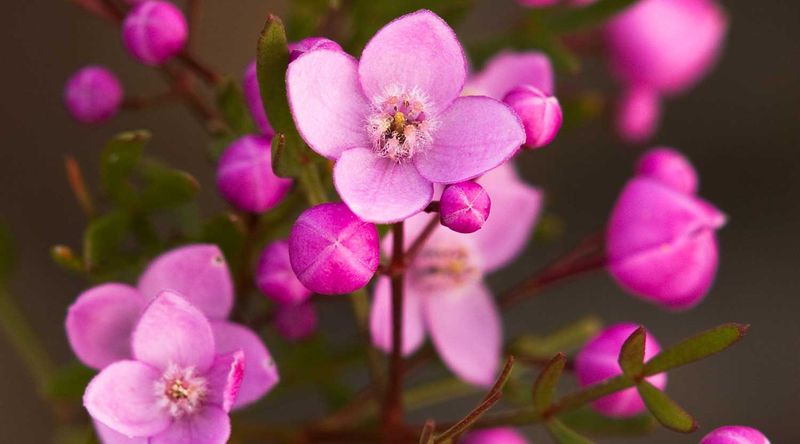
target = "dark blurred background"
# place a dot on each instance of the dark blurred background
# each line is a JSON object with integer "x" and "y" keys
{"x": 740, "y": 127}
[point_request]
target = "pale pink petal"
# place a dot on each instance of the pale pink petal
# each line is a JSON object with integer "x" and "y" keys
{"x": 327, "y": 104}
{"x": 499, "y": 435}
{"x": 122, "y": 396}
{"x": 173, "y": 331}
{"x": 515, "y": 210}
{"x": 107, "y": 435}
{"x": 380, "y": 319}
{"x": 100, "y": 322}
{"x": 260, "y": 371}
{"x": 210, "y": 425}
{"x": 508, "y": 70}
{"x": 466, "y": 330}
{"x": 380, "y": 190}
{"x": 416, "y": 51}
{"x": 475, "y": 135}
{"x": 198, "y": 272}
{"x": 225, "y": 379}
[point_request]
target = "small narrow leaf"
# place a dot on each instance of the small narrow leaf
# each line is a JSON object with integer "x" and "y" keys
{"x": 665, "y": 410}
{"x": 271, "y": 62}
{"x": 564, "y": 435}
{"x": 588, "y": 421}
{"x": 232, "y": 106}
{"x": 103, "y": 238}
{"x": 66, "y": 258}
{"x": 279, "y": 167}
{"x": 695, "y": 348}
{"x": 545, "y": 385}
{"x": 631, "y": 356}
{"x": 166, "y": 187}
{"x": 119, "y": 160}
{"x": 428, "y": 432}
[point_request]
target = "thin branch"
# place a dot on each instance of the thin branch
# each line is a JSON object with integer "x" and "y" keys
{"x": 393, "y": 404}
{"x": 78, "y": 186}
{"x": 201, "y": 69}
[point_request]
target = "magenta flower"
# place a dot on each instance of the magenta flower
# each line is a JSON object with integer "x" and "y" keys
{"x": 179, "y": 386}
{"x": 101, "y": 321}
{"x": 540, "y": 114}
{"x": 300, "y": 47}
{"x": 295, "y": 322}
{"x": 669, "y": 167}
{"x": 93, "y": 94}
{"x": 154, "y": 32}
{"x": 735, "y": 435}
{"x": 394, "y": 121}
{"x": 445, "y": 295}
{"x": 638, "y": 114}
{"x": 508, "y": 70}
{"x": 598, "y": 361}
{"x": 275, "y": 277}
{"x": 499, "y": 435}
{"x": 464, "y": 207}
{"x": 661, "y": 243}
{"x": 252, "y": 95}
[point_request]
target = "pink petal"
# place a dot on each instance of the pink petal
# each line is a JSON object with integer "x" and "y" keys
{"x": 735, "y": 435}
{"x": 198, "y": 272}
{"x": 100, "y": 322}
{"x": 466, "y": 330}
{"x": 107, "y": 435}
{"x": 638, "y": 114}
{"x": 669, "y": 167}
{"x": 499, "y": 435}
{"x": 252, "y": 95}
{"x": 173, "y": 331}
{"x": 380, "y": 319}
{"x": 327, "y": 104}
{"x": 475, "y": 135}
{"x": 507, "y": 70}
{"x": 211, "y": 425}
{"x": 380, "y": 190}
{"x": 225, "y": 379}
{"x": 416, "y": 51}
{"x": 122, "y": 396}
{"x": 260, "y": 372}
{"x": 515, "y": 211}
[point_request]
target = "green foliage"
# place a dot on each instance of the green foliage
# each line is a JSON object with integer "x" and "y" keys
{"x": 104, "y": 238}
{"x": 665, "y": 410}
{"x": 233, "y": 107}
{"x": 546, "y": 383}
{"x": 69, "y": 382}
{"x": 695, "y": 348}
{"x": 563, "y": 434}
{"x": 165, "y": 187}
{"x": 118, "y": 162}
{"x": 631, "y": 356}
{"x": 307, "y": 17}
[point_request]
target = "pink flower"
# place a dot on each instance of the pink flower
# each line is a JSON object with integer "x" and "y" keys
{"x": 464, "y": 207}
{"x": 669, "y": 167}
{"x": 638, "y": 114}
{"x": 445, "y": 295}
{"x": 245, "y": 177}
{"x": 301, "y": 47}
{"x": 661, "y": 243}
{"x": 295, "y": 322}
{"x": 598, "y": 361}
{"x": 154, "y": 32}
{"x": 93, "y": 94}
{"x": 275, "y": 277}
{"x": 179, "y": 386}
{"x": 500, "y": 435}
{"x": 540, "y": 114}
{"x": 735, "y": 435}
{"x": 394, "y": 121}
{"x": 101, "y": 321}
{"x": 508, "y": 70}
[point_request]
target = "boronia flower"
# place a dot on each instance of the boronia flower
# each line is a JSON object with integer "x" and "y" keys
{"x": 275, "y": 277}
{"x": 179, "y": 386}
{"x": 154, "y": 31}
{"x": 508, "y": 70}
{"x": 499, "y": 435}
{"x": 669, "y": 167}
{"x": 464, "y": 207}
{"x": 101, "y": 321}
{"x": 93, "y": 94}
{"x": 598, "y": 361}
{"x": 444, "y": 290}
{"x": 394, "y": 121}
{"x": 735, "y": 435}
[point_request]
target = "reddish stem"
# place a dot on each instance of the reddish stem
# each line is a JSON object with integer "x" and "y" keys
{"x": 393, "y": 405}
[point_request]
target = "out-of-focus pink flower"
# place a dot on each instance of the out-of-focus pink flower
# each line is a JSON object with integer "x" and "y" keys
{"x": 332, "y": 251}
{"x": 252, "y": 95}
{"x": 667, "y": 45}
{"x": 177, "y": 388}
{"x": 295, "y": 322}
{"x": 101, "y": 321}
{"x": 464, "y": 207}
{"x": 638, "y": 114}
{"x": 301, "y": 47}
{"x": 93, "y": 94}
{"x": 669, "y": 167}
{"x": 540, "y": 114}
{"x": 500, "y": 435}
{"x": 508, "y": 70}
{"x": 394, "y": 121}
{"x": 275, "y": 277}
{"x": 154, "y": 32}
{"x": 598, "y": 361}
{"x": 445, "y": 295}
{"x": 245, "y": 177}
{"x": 735, "y": 435}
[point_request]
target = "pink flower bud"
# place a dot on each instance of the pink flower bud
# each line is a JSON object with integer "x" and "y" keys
{"x": 275, "y": 277}
{"x": 332, "y": 251}
{"x": 464, "y": 207}
{"x": 245, "y": 177}
{"x": 499, "y": 435}
{"x": 296, "y": 322}
{"x": 661, "y": 244}
{"x": 638, "y": 114}
{"x": 93, "y": 94}
{"x": 735, "y": 435}
{"x": 598, "y": 361}
{"x": 154, "y": 32}
{"x": 668, "y": 45}
{"x": 301, "y": 47}
{"x": 252, "y": 95}
{"x": 669, "y": 167}
{"x": 540, "y": 114}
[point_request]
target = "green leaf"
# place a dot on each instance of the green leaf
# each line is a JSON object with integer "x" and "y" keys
{"x": 631, "y": 356}
{"x": 104, "y": 237}
{"x": 545, "y": 385}
{"x": 588, "y": 17}
{"x": 233, "y": 107}
{"x": 118, "y": 161}
{"x": 307, "y": 16}
{"x": 563, "y": 434}
{"x": 224, "y": 231}
{"x": 695, "y": 348}
{"x": 589, "y": 422}
{"x": 69, "y": 382}
{"x": 6, "y": 252}
{"x": 65, "y": 257}
{"x": 665, "y": 410}
{"x": 166, "y": 187}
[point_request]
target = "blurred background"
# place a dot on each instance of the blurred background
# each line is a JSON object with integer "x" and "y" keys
{"x": 740, "y": 127}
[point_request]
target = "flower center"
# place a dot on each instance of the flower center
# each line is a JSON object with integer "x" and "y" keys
{"x": 180, "y": 391}
{"x": 445, "y": 266}
{"x": 398, "y": 126}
